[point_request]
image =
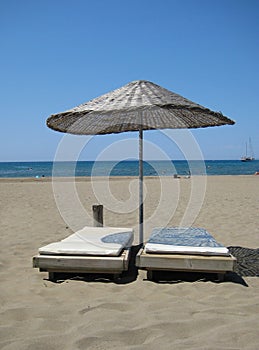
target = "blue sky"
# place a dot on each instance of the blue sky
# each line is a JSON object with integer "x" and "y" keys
{"x": 57, "y": 54}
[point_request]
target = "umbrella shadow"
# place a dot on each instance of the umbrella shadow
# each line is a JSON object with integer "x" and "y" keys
{"x": 247, "y": 261}
{"x": 125, "y": 277}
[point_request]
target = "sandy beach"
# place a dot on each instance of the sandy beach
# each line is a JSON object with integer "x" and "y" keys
{"x": 38, "y": 314}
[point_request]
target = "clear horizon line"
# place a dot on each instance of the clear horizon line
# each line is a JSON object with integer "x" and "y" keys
{"x": 114, "y": 160}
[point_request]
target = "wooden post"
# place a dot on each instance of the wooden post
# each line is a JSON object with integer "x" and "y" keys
{"x": 98, "y": 215}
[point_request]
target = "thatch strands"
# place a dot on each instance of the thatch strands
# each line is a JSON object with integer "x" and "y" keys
{"x": 247, "y": 261}
{"x": 139, "y": 104}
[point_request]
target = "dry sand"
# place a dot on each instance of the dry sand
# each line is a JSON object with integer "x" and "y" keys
{"x": 38, "y": 314}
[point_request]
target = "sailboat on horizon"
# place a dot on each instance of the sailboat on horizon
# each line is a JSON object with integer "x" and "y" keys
{"x": 248, "y": 156}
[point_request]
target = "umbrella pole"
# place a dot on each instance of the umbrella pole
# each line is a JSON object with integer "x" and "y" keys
{"x": 141, "y": 186}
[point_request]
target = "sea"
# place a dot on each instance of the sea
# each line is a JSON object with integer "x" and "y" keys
{"x": 127, "y": 168}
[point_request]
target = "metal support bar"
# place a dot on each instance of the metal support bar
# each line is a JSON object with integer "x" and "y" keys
{"x": 141, "y": 207}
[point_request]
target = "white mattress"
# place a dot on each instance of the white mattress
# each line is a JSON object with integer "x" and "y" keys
{"x": 99, "y": 241}
{"x": 164, "y": 248}
{"x": 189, "y": 240}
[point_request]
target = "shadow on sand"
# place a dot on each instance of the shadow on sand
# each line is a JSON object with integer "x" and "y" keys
{"x": 247, "y": 266}
{"x": 174, "y": 277}
{"x": 126, "y": 277}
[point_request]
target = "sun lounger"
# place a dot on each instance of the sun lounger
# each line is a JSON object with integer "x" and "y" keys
{"x": 90, "y": 250}
{"x": 184, "y": 249}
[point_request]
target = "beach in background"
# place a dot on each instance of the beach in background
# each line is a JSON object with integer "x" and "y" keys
{"x": 136, "y": 314}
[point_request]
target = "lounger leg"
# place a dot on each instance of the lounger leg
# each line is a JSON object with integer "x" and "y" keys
{"x": 52, "y": 276}
{"x": 221, "y": 277}
{"x": 116, "y": 276}
{"x": 150, "y": 275}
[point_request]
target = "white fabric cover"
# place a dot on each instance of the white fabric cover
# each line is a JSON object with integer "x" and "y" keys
{"x": 164, "y": 248}
{"x": 89, "y": 241}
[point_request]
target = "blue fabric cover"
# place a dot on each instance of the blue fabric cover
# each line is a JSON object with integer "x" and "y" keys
{"x": 191, "y": 236}
{"x": 119, "y": 238}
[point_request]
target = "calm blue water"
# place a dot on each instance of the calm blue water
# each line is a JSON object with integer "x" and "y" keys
{"x": 127, "y": 168}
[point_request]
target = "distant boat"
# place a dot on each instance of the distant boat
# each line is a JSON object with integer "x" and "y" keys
{"x": 249, "y": 156}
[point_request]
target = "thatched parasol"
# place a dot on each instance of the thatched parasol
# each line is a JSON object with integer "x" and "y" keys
{"x": 137, "y": 106}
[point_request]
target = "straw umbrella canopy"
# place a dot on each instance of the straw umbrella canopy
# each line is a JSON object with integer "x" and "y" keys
{"x": 138, "y": 106}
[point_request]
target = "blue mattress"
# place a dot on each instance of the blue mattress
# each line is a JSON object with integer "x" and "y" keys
{"x": 190, "y": 240}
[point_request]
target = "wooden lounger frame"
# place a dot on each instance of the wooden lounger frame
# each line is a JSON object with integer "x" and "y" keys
{"x": 186, "y": 263}
{"x": 82, "y": 264}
